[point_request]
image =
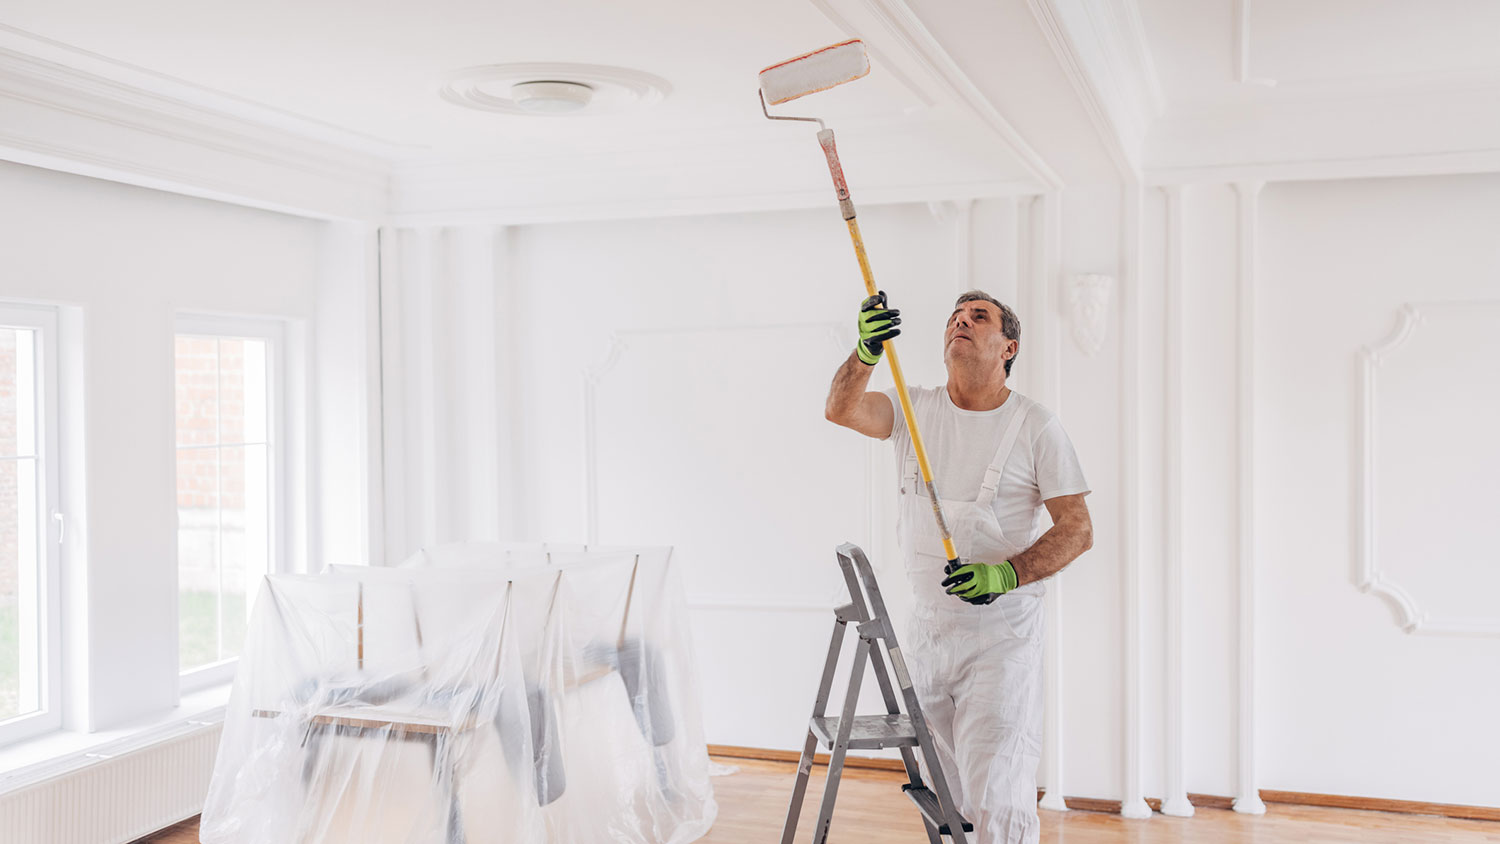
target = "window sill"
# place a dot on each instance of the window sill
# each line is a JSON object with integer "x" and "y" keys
{"x": 56, "y": 753}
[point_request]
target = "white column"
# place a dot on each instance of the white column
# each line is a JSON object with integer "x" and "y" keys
{"x": 1132, "y": 802}
{"x": 476, "y": 460}
{"x": 1044, "y": 247}
{"x": 392, "y": 400}
{"x": 1175, "y": 801}
{"x": 1247, "y": 800}
{"x": 342, "y": 427}
{"x": 963, "y": 245}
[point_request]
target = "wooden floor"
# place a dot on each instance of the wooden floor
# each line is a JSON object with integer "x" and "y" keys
{"x": 871, "y": 810}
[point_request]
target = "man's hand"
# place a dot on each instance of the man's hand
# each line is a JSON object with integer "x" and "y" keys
{"x": 877, "y": 324}
{"x": 981, "y": 583}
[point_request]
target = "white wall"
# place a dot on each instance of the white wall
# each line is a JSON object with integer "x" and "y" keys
{"x": 127, "y": 259}
{"x": 1351, "y": 703}
{"x": 1344, "y": 700}
{"x": 708, "y": 431}
{"x": 707, "y": 434}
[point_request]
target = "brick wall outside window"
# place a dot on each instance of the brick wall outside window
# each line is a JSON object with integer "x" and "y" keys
{"x": 8, "y": 491}
{"x": 210, "y": 409}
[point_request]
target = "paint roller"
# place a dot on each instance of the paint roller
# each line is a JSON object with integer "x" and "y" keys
{"x": 810, "y": 73}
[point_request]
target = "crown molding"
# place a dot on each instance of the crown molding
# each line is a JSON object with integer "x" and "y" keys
{"x": 1342, "y": 167}
{"x": 58, "y": 115}
{"x": 1101, "y": 48}
{"x": 785, "y": 174}
{"x": 892, "y": 30}
{"x": 1294, "y": 138}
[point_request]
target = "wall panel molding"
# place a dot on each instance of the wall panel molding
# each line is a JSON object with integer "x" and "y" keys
{"x": 619, "y": 344}
{"x": 1369, "y": 576}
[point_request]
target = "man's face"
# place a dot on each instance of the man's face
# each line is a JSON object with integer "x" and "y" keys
{"x": 974, "y": 335}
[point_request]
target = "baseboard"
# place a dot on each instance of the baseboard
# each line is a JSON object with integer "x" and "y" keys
{"x": 1375, "y": 804}
{"x": 1200, "y": 801}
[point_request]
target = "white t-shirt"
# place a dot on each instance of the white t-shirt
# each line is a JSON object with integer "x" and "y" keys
{"x": 962, "y": 443}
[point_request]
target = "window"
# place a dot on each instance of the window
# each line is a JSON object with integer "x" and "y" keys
{"x": 228, "y": 499}
{"x": 30, "y": 662}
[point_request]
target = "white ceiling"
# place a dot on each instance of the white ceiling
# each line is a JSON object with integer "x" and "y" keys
{"x": 366, "y": 75}
{"x": 967, "y": 97}
{"x": 1289, "y": 82}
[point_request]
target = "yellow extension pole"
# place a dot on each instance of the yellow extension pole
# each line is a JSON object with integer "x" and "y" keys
{"x": 906, "y": 407}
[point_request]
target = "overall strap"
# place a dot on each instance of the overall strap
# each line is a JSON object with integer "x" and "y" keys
{"x": 1002, "y": 454}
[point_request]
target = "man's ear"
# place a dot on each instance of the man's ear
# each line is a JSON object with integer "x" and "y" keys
{"x": 1013, "y": 347}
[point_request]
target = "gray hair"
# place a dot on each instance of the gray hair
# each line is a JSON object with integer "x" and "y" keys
{"x": 1010, "y": 324}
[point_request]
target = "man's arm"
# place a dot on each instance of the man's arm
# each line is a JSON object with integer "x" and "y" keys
{"x": 1072, "y": 533}
{"x": 850, "y": 405}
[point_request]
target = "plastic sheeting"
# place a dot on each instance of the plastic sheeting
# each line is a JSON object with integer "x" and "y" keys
{"x": 478, "y": 693}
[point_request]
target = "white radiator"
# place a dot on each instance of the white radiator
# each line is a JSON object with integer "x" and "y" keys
{"x": 114, "y": 796}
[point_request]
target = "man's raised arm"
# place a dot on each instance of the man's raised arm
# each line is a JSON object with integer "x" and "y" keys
{"x": 849, "y": 404}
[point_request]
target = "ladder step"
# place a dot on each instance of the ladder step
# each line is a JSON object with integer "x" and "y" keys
{"x": 927, "y": 804}
{"x": 868, "y": 732}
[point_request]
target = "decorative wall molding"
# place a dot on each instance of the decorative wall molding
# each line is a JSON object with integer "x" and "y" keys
{"x": 592, "y": 375}
{"x": 1088, "y": 309}
{"x": 1175, "y": 800}
{"x": 1247, "y": 798}
{"x": 1369, "y": 577}
{"x": 961, "y": 212}
{"x": 734, "y": 603}
{"x": 619, "y": 344}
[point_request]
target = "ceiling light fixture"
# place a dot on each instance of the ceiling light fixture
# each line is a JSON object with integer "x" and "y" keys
{"x": 553, "y": 89}
{"x": 551, "y": 97}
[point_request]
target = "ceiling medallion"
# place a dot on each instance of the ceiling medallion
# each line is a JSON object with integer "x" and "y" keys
{"x": 552, "y": 89}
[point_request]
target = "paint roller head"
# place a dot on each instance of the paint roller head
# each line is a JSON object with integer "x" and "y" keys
{"x": 812, "y": 72}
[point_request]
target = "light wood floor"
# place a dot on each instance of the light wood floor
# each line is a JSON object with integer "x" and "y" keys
{"x": 872, "y": 810}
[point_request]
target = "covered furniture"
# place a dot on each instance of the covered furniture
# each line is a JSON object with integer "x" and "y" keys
{"x": 475, "y": 694}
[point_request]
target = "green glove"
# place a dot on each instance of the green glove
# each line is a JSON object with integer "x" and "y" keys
{"x": 981, "y": 583}
{"x": 877, "y": 324}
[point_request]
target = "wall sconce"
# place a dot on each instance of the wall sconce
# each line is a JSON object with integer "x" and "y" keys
{"x": 1088, "y": 302}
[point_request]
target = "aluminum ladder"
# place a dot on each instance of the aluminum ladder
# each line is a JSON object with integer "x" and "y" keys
{"x": 841, "y": 733}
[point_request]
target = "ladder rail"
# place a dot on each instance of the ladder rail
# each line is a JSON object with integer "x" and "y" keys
{"x": 851, "y": 556}
{"x": 810, "y": 744}
{"x": 875, "y": 632}
{"x": 841, "y": 745}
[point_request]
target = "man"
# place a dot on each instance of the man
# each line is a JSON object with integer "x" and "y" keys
{"x": 975, "y": 638}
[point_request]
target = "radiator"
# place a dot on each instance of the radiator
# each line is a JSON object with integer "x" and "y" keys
{"x": 114, "y": 796}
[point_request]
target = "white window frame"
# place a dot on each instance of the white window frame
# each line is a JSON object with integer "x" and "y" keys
{"x": 43, "y": 320}
{"x": 273, "y": 332}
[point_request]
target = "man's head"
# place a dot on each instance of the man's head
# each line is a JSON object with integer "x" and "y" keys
{"x": 981, "y": 331}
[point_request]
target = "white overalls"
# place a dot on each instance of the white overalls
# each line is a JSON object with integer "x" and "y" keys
{"x": 977, "y": 669}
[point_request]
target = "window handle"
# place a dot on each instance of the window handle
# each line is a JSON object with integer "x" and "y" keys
{"x": 62, "y": 526}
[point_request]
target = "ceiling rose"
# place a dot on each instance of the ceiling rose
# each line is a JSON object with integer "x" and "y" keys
{"x": 510, "y": 88}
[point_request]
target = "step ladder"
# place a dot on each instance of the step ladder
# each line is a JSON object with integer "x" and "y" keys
{"x": 846, "y": 731}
